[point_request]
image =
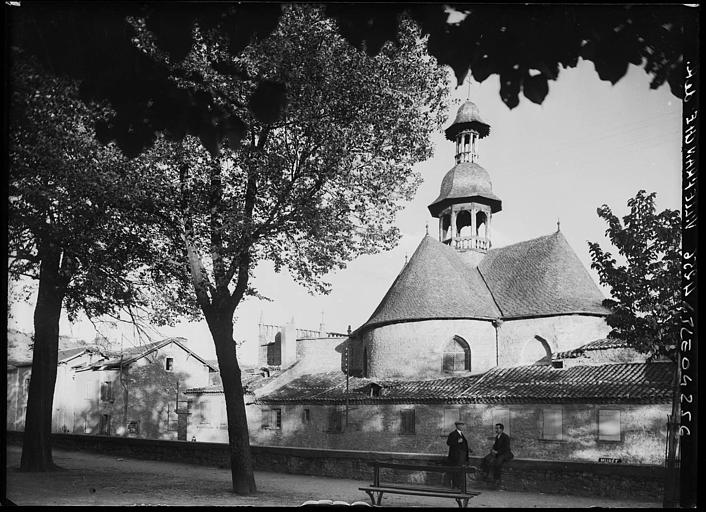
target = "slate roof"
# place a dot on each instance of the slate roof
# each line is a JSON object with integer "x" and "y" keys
{"x": 540, "y": 277}
{"x": 609, "y": 383}
{"x": 435, "y": 284}
{"x": 467, "y": 116}
{"x": 465, "y": 181}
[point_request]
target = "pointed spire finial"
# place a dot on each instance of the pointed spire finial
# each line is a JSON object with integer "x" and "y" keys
{"x": 405, "y": 260}
{"x": 427, "y": 227}
{"x": 468, "y": 77}
{"x": 558, "y": 225}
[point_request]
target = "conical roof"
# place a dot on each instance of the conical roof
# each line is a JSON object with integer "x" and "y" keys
{"x": 435, "y": 284}
{"x": 466, "y": 181}
{"x": 540, "y": 277}
{"x": 468, "y": 117}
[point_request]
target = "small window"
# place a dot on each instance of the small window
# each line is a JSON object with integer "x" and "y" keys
{"x": 551, "y": 424}
{"x": 276, "y": 420}
{"x": 335, "y": 424}
{"x": 451, "y": 416}
{"x": 133, "y": 427}
{"x": 107, "y": 392}
{"x": 105, "y": 424}
{"x": 306, "y": 416}
{"x": 169, "y": 364}
{"x": 407, "y": 424}
{"x": 608, "y": 425}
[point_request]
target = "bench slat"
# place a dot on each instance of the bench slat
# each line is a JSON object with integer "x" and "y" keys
{"x": 412, "y": 487}
{"x": 423, "y": 467}
{"x": 443, "y": 494}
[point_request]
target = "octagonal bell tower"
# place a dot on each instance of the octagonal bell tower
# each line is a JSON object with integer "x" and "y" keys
{"x": 466, "y": 202}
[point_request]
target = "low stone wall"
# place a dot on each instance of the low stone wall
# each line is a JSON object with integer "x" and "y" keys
{"x": 640, "y": 482}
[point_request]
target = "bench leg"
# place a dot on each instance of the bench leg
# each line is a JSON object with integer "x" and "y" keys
{"x": 462, "y": 502}
{"x": 375, "y": 497}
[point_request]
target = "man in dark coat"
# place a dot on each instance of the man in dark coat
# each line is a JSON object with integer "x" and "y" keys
{"x": 501, "y": 453}
{"x": 458, "y": 453}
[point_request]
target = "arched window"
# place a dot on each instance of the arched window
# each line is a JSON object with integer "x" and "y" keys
{"x": 481, "y": 224}
{"x": 463, "y": 223}
{"x": 457, "y": 355}
{"x": 365, "y": 362}
{"x": 536, "y": 351}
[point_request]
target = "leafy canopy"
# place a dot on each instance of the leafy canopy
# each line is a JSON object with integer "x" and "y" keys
{"x": 320, "y": 182}
{"x": 525, "y": 46}
{"x": 646, "y": 287}
{"x": 74, "y": 198}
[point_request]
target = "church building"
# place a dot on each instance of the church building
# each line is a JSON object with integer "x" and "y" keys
{"x": 474, "y": 332}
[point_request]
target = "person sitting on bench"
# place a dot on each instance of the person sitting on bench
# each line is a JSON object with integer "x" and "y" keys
{"x": 493, "y": 462}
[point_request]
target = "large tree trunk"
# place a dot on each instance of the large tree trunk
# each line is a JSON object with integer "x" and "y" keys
{"x": 220, "y": 323}
{"x": 36, "y": 444}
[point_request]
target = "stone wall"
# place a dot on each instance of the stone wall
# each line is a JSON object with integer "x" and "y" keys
{"x": 414, "y": 350}
{"x": 378, "y": 427}
{"x": 640, "y": 482}
{"x": 517, "y": 338}
{"x": 322, "y": 353}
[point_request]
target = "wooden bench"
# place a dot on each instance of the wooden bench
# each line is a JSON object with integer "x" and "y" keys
{"x": 376, "y": 490}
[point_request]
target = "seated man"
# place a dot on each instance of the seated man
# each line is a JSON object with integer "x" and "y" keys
{"x": 500, "y": 453}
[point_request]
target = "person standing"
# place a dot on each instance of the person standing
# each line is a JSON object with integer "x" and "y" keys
{"x": 499, "y": 454}
{"x": 458, "y": 453}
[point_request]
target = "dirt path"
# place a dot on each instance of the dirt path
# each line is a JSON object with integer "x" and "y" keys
{"x": 94, "y": 479}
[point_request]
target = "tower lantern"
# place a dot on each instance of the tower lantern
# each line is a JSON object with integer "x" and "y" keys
{"x": 466, "y": 201}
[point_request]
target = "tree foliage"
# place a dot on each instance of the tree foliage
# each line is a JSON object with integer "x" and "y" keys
{"x": 526, "y": 46}
{"x": 72, "y": 227}
{"x": 310, "y": 185}
{"x": 646, "y": 287}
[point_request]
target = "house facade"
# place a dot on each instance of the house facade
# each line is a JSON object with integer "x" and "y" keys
{"x": 137, "y": 392}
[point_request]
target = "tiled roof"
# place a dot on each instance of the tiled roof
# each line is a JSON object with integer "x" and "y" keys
{"x": 610, "y": 383}
{"x": 599, "y": 344}
{"x": 540, "y": 277}
{"x": 435, "y": 284}
{"x": 623, "y": 382}
{"x": 132, "y": 354}
{"x": 250, "y": 382}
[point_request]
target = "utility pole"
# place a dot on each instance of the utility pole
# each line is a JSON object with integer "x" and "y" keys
{"x": 348, "y": 363}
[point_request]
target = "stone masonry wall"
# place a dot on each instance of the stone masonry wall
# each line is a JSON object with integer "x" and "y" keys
{"x": 378, "y": 427}
{"x": 573, "y": 478}
{"x": 517, "y": 337}
{"x": 415, "y": 349}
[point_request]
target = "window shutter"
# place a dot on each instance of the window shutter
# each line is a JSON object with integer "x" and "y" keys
{"x": 552, "y": 423}
{"x": 608, "y": 425}
{"x": 265, "y": 418}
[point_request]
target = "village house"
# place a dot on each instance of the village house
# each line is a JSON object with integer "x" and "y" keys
{"x": 515, "y": 334}
{"x": 137, "y": 392}
{"x": 19, "y": 373}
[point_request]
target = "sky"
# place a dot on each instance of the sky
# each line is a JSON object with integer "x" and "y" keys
{"x": 590, "y": 143}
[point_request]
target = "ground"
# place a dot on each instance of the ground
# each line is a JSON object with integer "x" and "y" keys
{"x": 96, "y": 479}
